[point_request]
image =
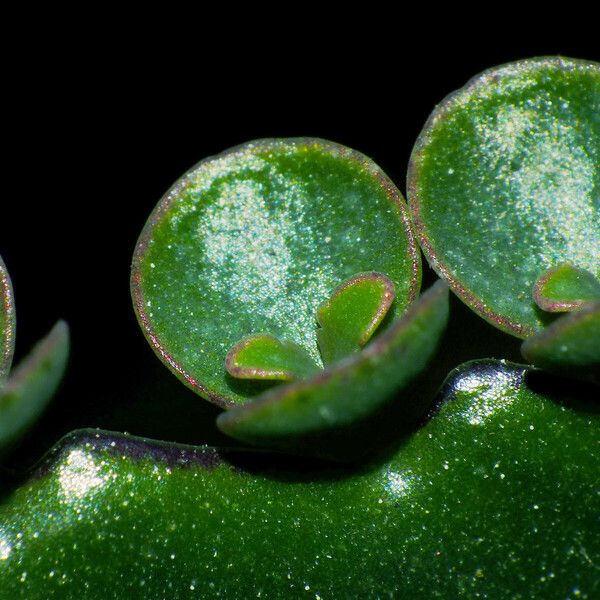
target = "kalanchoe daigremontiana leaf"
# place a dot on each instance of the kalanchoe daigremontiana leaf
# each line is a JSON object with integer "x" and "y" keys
{"x": 503, "y": 184}
{"x": 32, "y": 384}
{"x": 253, "y": 241}
{"x": 349, "y": 390}
{"x": 266, "y": 357}
{"x": 564, "y": 288}
{"x": 352, "y": 314}
{"x": 570, "y": 345}
{"x": 7, "y": 322}
{"x": 495, "y": 496}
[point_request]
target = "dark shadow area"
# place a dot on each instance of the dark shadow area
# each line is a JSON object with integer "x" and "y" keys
{"x": 287, "y": 468}
{"x": 248, "y": 387}
{"x": 571, "y": 393}
{"x": 545, "y": 317}
{"x": 9, "y": 481}
{"x": 467, "y": 337}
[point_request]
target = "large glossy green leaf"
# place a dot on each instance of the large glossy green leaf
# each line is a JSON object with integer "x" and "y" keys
{"x": 7, "y": 322}
{"x": 496, "y": 496}
{"x": 504, "y": 183}
{"x": 253, "y": 241}
{"x": 351, "y": 389}
{"x": 32, "y": 384}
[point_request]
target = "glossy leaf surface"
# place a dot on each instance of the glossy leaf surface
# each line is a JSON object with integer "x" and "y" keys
{"x": 7, "y": 322}
{"x": 351, "y": 389}
{"x": 352, "y": 314}
{"x": 565, "y": 287}
{"x": 266, "y": 357}
{"x": 253, "y": 241}
{"x": 496, "y": 496}
{"x": 570, "y": 345}
{"x": 504, "y": 183}
{"x": 32, "y": 384}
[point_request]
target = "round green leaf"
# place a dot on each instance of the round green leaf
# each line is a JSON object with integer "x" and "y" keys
{"x": 496, "y": 496}
{"x": 7, "y": 322}
{"x": 253, "y": 241}
{"x": 504, "y": 183}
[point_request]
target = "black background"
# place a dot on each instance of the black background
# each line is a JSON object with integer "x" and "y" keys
{"x": 97, "y": 125}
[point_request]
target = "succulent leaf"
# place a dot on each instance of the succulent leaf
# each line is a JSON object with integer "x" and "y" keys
{"x": 352, "y": 314}
{"x": 7, "y": 322}
{"x": 570, "y": 345}
{"x": 32, "y": 384}
{"x": 564, "y": 288}
{"x": 495, "y": 496}
{"x": 266, "y": 357}
{"x": 503, "y": 182}
{"x": 253, "y": 240}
